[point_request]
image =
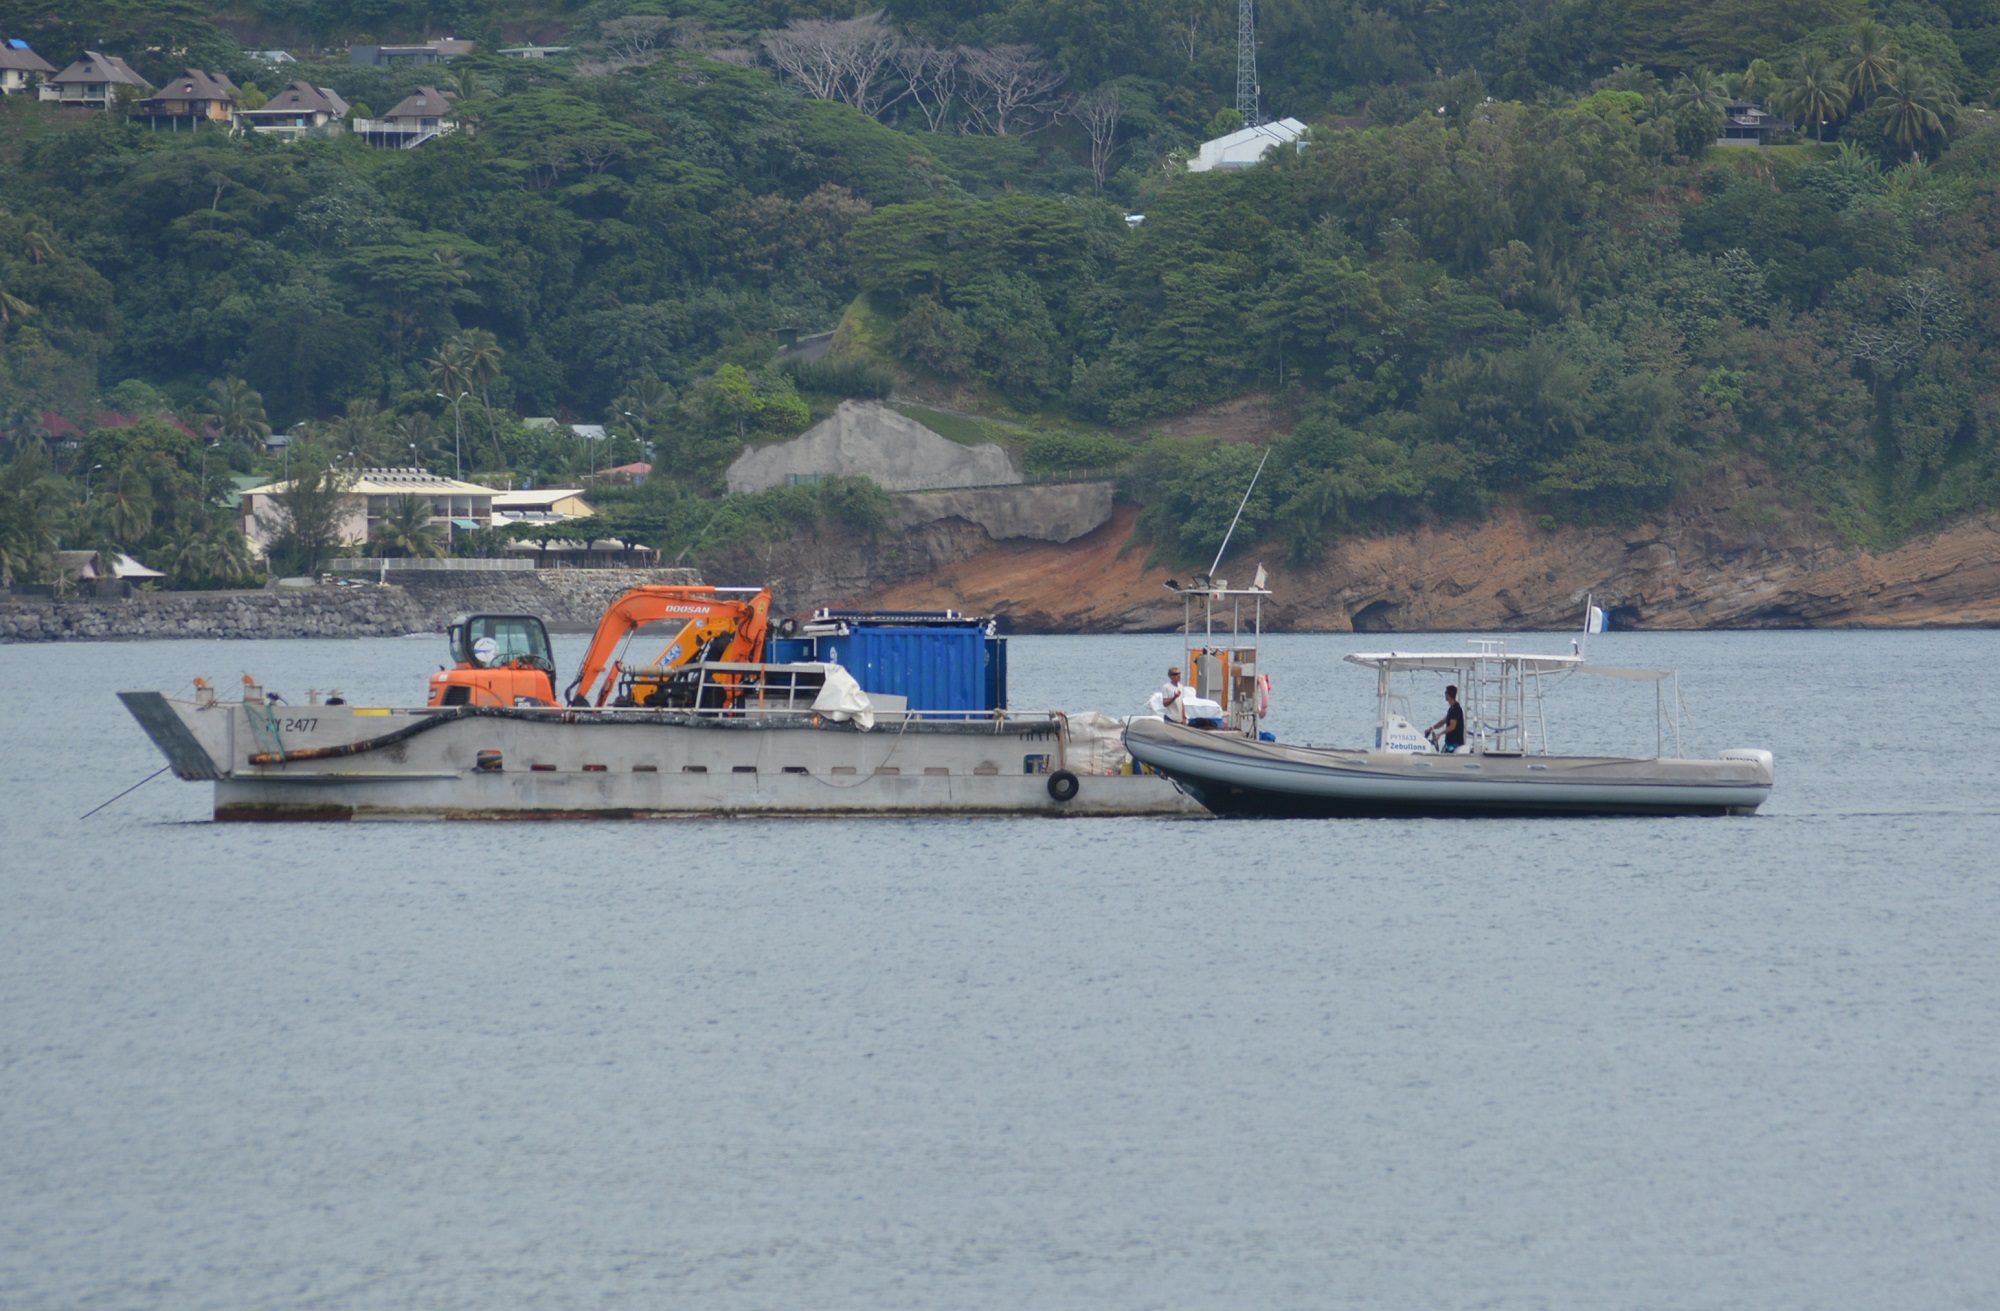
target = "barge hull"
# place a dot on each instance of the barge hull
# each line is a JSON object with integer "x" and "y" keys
{"x": 320, "y": 763}
{"x": 555, "y": 797}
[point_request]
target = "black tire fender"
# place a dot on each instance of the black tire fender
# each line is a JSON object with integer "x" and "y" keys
{"x": 1063, "y": 785}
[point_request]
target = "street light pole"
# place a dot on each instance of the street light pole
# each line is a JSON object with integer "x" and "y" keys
{"x": 458, "y": 431}
{"x": 640, "y": 426}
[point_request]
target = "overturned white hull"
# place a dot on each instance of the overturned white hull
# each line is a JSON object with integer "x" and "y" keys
{"x": 342, "y": 762}
{"x": 1234, "y": 775}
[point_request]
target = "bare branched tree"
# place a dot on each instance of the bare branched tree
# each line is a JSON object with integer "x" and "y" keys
{"x": 809, "y": 52}
{"x": 1097, "y": 113}
{"x": 636, "y": 36}
{"x": 1930, "y": 305}
{"x": 1884, "y": 350}
{"x": 840, "y": 59}
{"x": 931, "y": 75}
{"x": 1013, "y": 86}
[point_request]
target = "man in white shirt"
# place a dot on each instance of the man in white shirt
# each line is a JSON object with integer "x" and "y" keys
{"x": 1171, "y": 693}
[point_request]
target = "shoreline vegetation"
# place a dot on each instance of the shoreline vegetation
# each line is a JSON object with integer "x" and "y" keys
{"x": 1512, "y": 271}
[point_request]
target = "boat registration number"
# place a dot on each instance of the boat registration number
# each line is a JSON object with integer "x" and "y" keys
{"x": 298, "y": 725}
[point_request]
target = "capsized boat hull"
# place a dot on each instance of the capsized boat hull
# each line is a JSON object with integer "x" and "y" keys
{"x": 343, "y": 762}
{"x": 1233, "y": 775}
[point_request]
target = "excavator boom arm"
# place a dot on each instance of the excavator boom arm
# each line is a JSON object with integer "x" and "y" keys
{"x": 742, "y": 609}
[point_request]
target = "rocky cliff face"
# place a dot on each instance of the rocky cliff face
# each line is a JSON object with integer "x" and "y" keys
{"x": 1742, "y": 570}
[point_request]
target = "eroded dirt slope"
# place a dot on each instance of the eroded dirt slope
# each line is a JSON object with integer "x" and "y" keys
{"x": 1504, "y": 574}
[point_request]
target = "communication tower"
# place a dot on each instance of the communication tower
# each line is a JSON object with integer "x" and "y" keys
{"x": 1246, "y": 63}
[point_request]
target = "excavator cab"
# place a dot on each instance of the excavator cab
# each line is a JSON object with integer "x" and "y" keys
{"x": 500, "y": 660}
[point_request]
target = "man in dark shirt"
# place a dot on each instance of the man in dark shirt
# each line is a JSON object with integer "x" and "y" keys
{"x": 1453, "y": 723}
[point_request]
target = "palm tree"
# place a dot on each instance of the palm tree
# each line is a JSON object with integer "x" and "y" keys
{"x": 1700, "y": 90}
{"x": 415, "y": 436}
{"x": 27, "y": 522}
{"x": 208, "y": 552}
{"x": 1871, "y": 63}
{"x": 36, "y": 244}
{"x": 646, "y": 400}
{"x": 187, "y": 557}
{"x": 1920, "y": 104}
{"x": 365, "y": 431}
{"x": 236, "y": 411}
{"x": 406, "y": 530}
{"x": 232, "y": 557}
{"x": 480, "y": 357}
{"x": 1631, "y": 77}
{"x": 125, "y": 505}
{"x": 446, "y": 368}
{"x": 11, "y": 305}
{"x": 1818, "y": 92}
{"x": 451, "y": 265}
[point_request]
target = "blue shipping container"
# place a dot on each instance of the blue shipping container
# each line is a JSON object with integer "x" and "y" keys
{"x": 935, "y": 668}
{"x": 790, "y": 650}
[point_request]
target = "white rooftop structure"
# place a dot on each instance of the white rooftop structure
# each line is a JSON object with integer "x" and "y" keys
{"x": 540, "y": 505}
{"x": 1246, "y": 146}
{"x": 91, "y": 566}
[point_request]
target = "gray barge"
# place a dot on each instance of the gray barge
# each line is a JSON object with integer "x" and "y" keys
{"x": 271, "y": 762}
{"x": 923, "y": 730}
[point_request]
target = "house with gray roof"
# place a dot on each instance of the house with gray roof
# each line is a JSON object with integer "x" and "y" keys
{"x": 430, "y": 52}
{"x": 19, "y": 66}
{"x": 92, "y": 82}
{"x": 299, "y": 109}
{"x": 417, "y": 117}
{"x": 198, "y": 98}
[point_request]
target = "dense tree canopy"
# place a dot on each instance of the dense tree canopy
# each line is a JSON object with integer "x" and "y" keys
{"x": 1509, "y": 262}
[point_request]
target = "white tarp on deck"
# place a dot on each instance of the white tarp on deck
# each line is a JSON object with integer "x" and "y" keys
{"x": 841, "y": 699}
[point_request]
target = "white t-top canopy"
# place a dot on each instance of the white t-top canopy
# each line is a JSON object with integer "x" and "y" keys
{"x": 1451, "y": 662}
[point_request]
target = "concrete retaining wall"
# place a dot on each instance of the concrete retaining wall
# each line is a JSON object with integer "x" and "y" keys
{"x": 1046, "y": 512}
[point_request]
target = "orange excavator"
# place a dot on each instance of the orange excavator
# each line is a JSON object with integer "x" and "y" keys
{"x": 505, "y": 660}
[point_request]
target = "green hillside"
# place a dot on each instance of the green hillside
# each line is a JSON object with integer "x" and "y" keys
{"x": 1511, "y": 260}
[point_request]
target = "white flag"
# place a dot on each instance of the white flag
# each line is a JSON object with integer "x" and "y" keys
{"x": 1259, "y": 584}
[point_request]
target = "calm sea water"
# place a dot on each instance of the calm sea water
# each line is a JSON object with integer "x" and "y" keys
{"x": 1018, "y": 1064}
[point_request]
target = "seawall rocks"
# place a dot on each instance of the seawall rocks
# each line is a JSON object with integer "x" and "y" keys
{"x": 415, "y": 603}
{"x": 305, "y": 612}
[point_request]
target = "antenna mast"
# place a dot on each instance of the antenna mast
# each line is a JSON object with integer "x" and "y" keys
{"x": 1238, "y": 517}
{"x": 1246, "y": 63}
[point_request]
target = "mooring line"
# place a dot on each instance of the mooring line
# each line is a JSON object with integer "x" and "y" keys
{"x": 127, "y": 792}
